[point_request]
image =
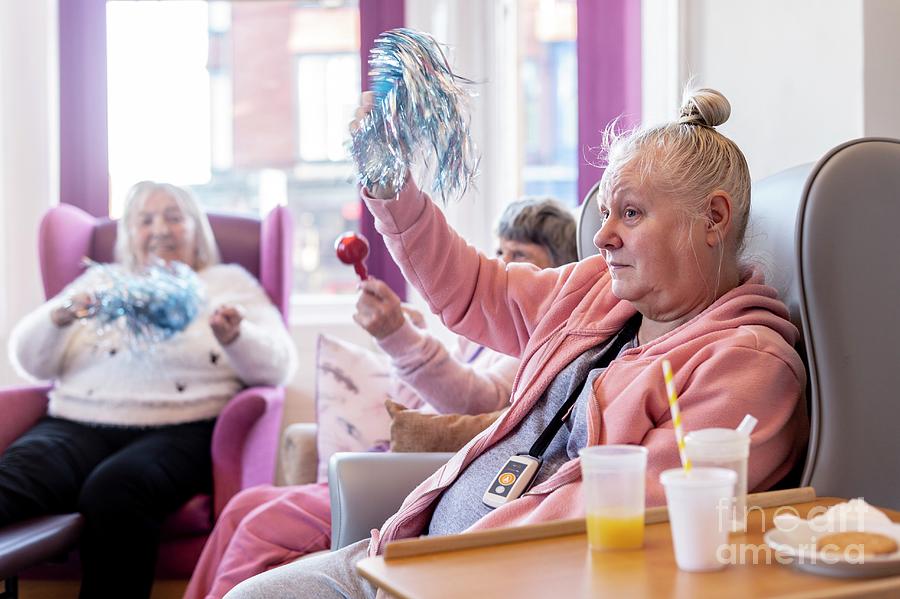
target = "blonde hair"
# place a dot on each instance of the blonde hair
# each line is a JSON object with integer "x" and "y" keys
{"x": 687, "y": 160}
{"x": 206, "y": 252}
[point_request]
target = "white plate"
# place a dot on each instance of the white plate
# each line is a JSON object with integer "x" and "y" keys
{"x": 798, "y": 546}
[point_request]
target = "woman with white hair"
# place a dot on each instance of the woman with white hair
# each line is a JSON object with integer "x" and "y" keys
{"x": 126, "y": 439}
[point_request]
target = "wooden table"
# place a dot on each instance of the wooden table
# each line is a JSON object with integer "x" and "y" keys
{"x": 562, "y": 567}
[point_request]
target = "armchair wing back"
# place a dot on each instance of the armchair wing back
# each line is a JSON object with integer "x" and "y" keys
{"x": 848, "y": 249}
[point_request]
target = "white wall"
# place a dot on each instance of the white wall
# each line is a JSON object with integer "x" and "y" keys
{"x": 792, "y": 69}
{"x": 29, "y": 153}
{"x": 881, "y": 68}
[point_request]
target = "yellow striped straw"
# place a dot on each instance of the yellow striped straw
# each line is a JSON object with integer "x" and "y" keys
{"x": 676, "y": 414}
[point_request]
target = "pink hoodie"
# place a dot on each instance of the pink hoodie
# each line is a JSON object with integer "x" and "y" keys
{"x": 734, "y": 358}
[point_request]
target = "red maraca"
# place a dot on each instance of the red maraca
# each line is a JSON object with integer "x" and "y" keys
{"x": 352, "y": 248}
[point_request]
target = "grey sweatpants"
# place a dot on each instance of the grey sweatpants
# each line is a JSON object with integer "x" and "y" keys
{"x": 324, "y": 576}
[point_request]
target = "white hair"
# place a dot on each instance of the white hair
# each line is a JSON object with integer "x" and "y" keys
{"x": 206, "y": 252}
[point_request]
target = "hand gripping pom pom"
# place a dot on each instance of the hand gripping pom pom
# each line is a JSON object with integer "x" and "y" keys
{"x": 352, "y": 248}
{"x": 420, "y": 109}
{"x": 149, "y": 306}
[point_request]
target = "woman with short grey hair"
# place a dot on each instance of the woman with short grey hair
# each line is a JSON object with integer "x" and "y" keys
{"x": 539, "y": 230}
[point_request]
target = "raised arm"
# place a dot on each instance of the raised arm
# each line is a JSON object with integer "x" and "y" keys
{"x": 421, "y": 363}
{"x": 475, "y": 296}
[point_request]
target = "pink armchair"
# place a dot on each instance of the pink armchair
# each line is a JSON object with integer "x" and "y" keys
{"x": 245, "y": 439}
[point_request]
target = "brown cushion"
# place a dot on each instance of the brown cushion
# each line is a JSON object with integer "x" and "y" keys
{"x": 414, "y": 431}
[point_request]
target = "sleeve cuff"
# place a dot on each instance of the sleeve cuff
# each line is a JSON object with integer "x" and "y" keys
{"x": 245, "y": 344}
{"x": 396, "y": 215}
{"x": 400, "y": 341}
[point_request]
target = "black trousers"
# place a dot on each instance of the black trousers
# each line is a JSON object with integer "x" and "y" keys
{"x": 124, "y": 480}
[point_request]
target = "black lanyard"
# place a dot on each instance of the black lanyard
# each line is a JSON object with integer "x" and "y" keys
{"x": 624, "y": 336}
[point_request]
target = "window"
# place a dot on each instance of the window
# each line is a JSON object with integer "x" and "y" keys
{"x": 548, "y": 113}
{"x": 247, "y": 104}
{"x": 322, "y": 111}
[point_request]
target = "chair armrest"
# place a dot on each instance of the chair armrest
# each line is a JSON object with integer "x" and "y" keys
{"x": 245, "y": 442}
{"x": 21, "y": 407}
{"x": 366, "y": 488}
{"x": 299, "y": 457}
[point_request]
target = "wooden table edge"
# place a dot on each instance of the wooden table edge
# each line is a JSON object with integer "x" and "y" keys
{"x": 417, "y": 547}
{"x": 560, "y": 528}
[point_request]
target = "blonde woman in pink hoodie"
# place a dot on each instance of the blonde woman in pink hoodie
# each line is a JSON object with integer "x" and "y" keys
{"x": 668, "y": 285}
{"x": 265, "y": 526}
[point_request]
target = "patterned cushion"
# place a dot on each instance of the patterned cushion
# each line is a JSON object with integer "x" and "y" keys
{"x": 352, "y": 384}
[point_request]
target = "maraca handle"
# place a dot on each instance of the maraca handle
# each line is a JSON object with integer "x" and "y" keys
{"x": 360, "y": 269}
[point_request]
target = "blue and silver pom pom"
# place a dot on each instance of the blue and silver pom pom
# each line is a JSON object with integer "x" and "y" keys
{"x": 421, "y": 108}
{"x": 149, "y": 306}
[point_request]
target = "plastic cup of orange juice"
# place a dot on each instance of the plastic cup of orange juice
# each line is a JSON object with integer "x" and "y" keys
{"x": 613, "y": 482}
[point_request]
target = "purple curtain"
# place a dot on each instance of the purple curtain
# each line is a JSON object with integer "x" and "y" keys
{"x": 375, "y": 17}
{"x": 83, "y": 147}
{"x": 609, "y": 76}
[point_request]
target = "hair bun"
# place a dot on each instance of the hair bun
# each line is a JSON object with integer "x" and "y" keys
{"x": 705, "y": 107}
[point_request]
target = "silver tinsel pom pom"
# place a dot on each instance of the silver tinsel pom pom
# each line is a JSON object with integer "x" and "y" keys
{"x": 421, "y": 108}
{"x": 147, "y": 307}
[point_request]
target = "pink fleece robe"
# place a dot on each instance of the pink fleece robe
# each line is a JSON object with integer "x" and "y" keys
{"x": 734, "y": 358}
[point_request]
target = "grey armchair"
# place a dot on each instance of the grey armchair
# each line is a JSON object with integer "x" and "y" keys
{"x": 826, "y": 234}
{"x": 365, "y": 488}
{"x": 843, "y": 213}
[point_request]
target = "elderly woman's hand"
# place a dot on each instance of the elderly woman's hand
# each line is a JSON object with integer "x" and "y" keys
{"x": 77, "y": 306}
{"x": 378, "y": 309}
{"x": 225, "y": 323}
